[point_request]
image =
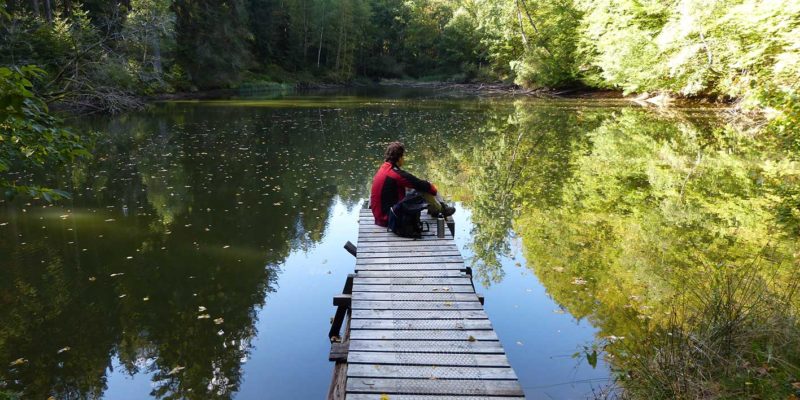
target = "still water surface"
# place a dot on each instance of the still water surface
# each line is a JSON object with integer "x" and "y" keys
{"x": 202, "y": 246}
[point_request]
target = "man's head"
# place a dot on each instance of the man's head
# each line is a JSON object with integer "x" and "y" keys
{"x": 394, "y": 153}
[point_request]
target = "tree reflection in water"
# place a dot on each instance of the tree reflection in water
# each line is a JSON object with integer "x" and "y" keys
{"x": 177, "y": 230}
{"x": 636, "y": 220}
{"x": 167, "y": 251}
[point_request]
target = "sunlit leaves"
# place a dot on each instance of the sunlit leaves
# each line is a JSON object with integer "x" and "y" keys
{"x": 31, "y": 140}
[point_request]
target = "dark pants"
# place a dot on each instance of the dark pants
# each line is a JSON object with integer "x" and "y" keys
{"x": 434, "y": 201}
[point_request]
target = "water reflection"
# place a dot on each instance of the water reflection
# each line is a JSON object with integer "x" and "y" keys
{"x": 178, "y": 231}
{"x": 626, "y": 216}
{"x": 166, "y": 252}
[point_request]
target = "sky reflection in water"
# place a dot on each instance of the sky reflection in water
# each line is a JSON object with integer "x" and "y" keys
{"x": 202, "y": 247}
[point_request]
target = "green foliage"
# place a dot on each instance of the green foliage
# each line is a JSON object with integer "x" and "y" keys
{"x": 30, "y": 138}
{"x": 675, "y": 236}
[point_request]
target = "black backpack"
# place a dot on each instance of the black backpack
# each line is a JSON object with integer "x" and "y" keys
{"x": 404, "y": 217}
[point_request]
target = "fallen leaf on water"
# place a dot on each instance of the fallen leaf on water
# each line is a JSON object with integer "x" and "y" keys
{"x": 92, "y": 279}
{"x": 63, "y": 350}
{"x": 219, "y": 321}
{"x": 226, "y": 246}
{"x": 471, "y": 338}
{"x": 18, "y": 361}
{"x": 204, "y": 316}
{"x": 384, "y": 397}
{"x": 146, "y": 298}
{"x": 117, "y": 274}
{"x": 201, "y": 309}
{"x": 176, "y": 370}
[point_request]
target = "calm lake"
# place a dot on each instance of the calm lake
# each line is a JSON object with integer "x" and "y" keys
{"x": 200, "y": 250}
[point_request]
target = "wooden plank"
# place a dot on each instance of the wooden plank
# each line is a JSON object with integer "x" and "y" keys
{"x": 395, "y": 296}
{"x": 459, "y": 266}
{"x": 441, "y": 360}
{"x": 419, "y": 314}
{"x": 414, "y": 288}
{"x": 422, "y": 324}
{"x": 390, "y": 334}
{"x": 412, "y": 253}
{"x": 434, "y": 273}
{"x": 410, "y": 260}
{"x": 420, "y": 280}
{"x": 417, "y": 305}
{"x": 393, "y": 239}
{"x": 434, "y": 386}
{"x": 429, "y": 372}
{"x": 427, "y": 346}
{"x": 382, "y": 396}
{"x": 423, "y": 243}
{"x": 430, "y": 245}
{"x": 381, "y": 247}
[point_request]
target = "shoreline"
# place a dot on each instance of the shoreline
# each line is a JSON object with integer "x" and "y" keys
{"x": 485, "y": 90}
{"x": 476, "y": 89}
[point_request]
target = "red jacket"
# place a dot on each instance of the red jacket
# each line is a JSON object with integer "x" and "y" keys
{"x": 389, "y": 187}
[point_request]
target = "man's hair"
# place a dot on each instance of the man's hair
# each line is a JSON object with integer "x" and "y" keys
{"x": 394, "y": 151}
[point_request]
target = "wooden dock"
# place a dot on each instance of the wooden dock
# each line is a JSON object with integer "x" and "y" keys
{"x": 413, "y": 325}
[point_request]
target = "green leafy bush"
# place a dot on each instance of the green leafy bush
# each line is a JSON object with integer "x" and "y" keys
{"x": 31, "y": 140}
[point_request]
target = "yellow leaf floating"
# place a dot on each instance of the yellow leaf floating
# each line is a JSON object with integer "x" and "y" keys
{"x": 384, "y": 396}
{"x": 18, "y": 361}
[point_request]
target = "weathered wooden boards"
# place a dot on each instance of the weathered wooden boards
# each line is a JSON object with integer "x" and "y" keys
{"x": 418, "y": 329}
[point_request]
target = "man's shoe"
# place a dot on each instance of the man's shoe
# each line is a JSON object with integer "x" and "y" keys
{"x": 447, "y": 210}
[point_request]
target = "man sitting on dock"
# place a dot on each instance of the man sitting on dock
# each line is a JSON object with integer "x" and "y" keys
{"x": 390, "y": 183}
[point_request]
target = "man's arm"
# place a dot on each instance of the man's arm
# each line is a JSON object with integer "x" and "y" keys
{"x": 411, "y": 181}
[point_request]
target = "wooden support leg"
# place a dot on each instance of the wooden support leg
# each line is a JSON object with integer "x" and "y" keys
{"x": 342, "y": 303}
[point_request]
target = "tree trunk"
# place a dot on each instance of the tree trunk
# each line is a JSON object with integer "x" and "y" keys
{"x": 521, "y": 27}
{"x": 157, "y": 56}
{"x": 535, "y": 29}
{"x": 319, "y": 49}
{"x": 48, "y": 12}
{"x": 305, "y": 30}
{"x": 339, "y": 45}
{"x": 35, "y": 6}
{"x": 321, "y": 31}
